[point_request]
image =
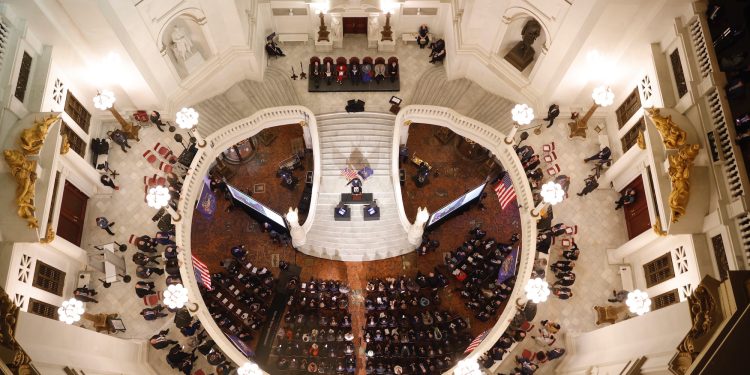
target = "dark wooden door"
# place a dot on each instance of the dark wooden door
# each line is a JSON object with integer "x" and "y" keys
{"x": 355, "y": 25}
{"x": 72, "y": 214}
{"x": 636, "y": 213}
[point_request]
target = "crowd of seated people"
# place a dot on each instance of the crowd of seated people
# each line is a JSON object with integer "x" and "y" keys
{"x": 356, "y": 72}
{"x": 240, "y": 297}
{"x": 405, "y": 332}
{"x": 475, "y": 264}
{"x": 317, "y": 334}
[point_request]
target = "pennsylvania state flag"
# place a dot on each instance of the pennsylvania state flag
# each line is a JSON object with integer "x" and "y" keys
{"x": 207, "y": 200}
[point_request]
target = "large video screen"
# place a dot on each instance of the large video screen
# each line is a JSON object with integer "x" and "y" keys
{"x": 456, "y": 204}
{"x": 257, "y": 206}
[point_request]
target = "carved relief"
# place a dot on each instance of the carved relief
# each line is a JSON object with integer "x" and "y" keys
{"x": 24, "y": 169}
{"x": 679, "y": 175}
{"x": 671, "y": 134}
{"x": 8, "y": 318}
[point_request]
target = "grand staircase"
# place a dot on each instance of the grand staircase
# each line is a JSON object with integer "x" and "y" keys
{"x": 355, "y": 141}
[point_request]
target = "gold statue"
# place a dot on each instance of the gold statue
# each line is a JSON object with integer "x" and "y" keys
{"x": 64, "y": 145}
{"x": 32, "y": 138}
{"x": 657, "y": 228}
{"x": 641, "y": 140}
{"x": 50, "y": 236}
{"x": 679, "y": 174}
{"x": 25, "y": 173}
{"x": 671, "y": 134}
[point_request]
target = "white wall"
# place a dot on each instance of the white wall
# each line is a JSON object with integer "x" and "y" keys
{"x": 607, "y": 350}
{"x": 53, "y": 345}
{"x": 21, "y": 266}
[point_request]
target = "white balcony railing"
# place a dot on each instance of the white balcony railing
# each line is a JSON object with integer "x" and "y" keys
{"x": 216, "y": 143}
{"x": 494, "y": 141}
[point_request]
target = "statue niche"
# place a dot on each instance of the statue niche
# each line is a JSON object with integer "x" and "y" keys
{"x": 523, "y": 53}
{"x": 185, "y": 44}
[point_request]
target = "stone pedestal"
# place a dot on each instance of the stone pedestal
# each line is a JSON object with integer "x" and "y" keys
{"x": 323, "y": 46}
{"x": 386, "y": 46}
{"x": 372, "y": 42}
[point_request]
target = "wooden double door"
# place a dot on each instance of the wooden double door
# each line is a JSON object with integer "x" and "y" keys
{"x": 72, "y": 214}
{"x": 355, "y": 25}
{"x": 636, "y": 214}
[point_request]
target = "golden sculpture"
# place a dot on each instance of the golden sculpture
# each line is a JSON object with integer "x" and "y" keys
{"x": 657, "y": 228}
{"x": 33, "y": 138}
{"x": 25, "y": 173}
{"x": 641, "y": 140}
{"x": 50, "y": 236}
{"x": 705, "y": 315}
{"x": 8, "y": 318}
{"x": 671, "y": 134}
{"x": 679, "y": 175}
{"x": 64, "y": 145}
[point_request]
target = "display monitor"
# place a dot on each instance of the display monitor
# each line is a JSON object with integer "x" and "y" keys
{"x": 257, "y": 206}
{"x": 456, "y": 204}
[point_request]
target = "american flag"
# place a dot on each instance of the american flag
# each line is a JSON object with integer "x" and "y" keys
{"x": 505, "y": 192}
{"x": 477, "y": 341}
{"x": 349, "y": 173}
{"x": 201, "y": 273}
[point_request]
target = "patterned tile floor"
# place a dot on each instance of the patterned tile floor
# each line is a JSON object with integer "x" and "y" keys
{"x": 600, "y": 227}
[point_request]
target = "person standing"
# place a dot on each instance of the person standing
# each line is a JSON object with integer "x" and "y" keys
{"x": 103, "y": 223}
{"x": 153, "y": 313}
{"x": 84, "y": 294}
{"x": 160, "y": 341}
{"x": 627, "y": 197}
{"x": 591, "y": 185}
{"x": 603, "y": 154}
{"x": 144, "y": 288}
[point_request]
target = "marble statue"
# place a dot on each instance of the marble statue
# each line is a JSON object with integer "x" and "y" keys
{"x": 373, "y": 28}
{"x": 336, "y": 28}
{"x": 181, "y": 43}
{"x": 523, "y": 53}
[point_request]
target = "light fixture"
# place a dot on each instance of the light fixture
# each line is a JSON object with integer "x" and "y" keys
{"x": 537, "y": 290}
{"x": 158, "y": 196}
{"x": 467, "y": 367}
{"x": 603, "y": 96}
{"x": 552, "y": 193}
{"x": 249, "y": 368}
{"x": 70, "y": 311}
{"x": 638, "y": 302}
{"x": 321, "y": 6}
{"x": 187, "y": 118}
{"x": 104, "y": 100}
{"x": 522, "y": 114}
{"x": 422, "y": 215}
{"x": 176, "y": 296}
{"x": 292, "y": 217}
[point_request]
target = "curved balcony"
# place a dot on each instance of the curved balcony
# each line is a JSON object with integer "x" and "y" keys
{"x": 487, "y": 137}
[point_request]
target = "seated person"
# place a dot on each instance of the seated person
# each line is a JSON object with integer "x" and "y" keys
{"x": 340, "y": 73}
{"x": 393, "y": 71}
{"x": 356, "y": 186}
{"x": 438, "y": 51}
{"x": 379, "y": 72}
{"x": 273, "y": 50}
{"x": 355, "y": 74}
{"x": 328, "y": 73}
{"x": 315, "y": 74}
{"x": 366, "y": 73}
{"x": 423, "y": 38}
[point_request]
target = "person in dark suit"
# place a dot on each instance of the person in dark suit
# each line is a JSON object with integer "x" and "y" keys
{"x": 393, "y": 71}
{"x": 160, "y": 341}
{"x": 144, "y": 288}
{"x": 552, "y": 113}
{"x": 355, "y": 74}
{"x": 628, "y": 197}
{"x": 591, "y": 185}
{"x": 603, "y": 154}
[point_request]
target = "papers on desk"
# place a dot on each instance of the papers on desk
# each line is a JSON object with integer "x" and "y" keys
{"x": 342, "y": 211}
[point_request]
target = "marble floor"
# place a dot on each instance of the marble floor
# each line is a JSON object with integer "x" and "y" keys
{"x": 599, "y": 226}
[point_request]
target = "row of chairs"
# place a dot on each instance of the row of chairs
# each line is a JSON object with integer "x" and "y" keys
{"x": 353, "y": 60}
